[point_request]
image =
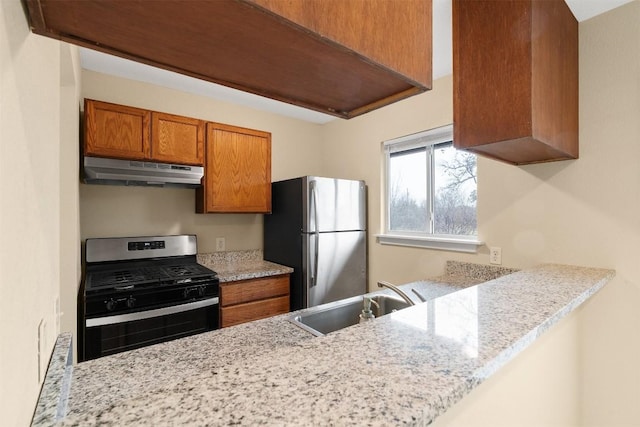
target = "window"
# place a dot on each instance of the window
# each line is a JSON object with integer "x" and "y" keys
{"x": 431, "y": 192}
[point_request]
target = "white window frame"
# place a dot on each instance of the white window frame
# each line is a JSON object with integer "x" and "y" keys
{"x": 417, "y": 239}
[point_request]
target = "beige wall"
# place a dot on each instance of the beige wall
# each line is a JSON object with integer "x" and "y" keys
{"x": 537, "y": 389}
{"x": 605, "y": 226}
{"x": 38, "y": 86}
{"x": 108, "y": 211}
{"x": 70, "y": 260}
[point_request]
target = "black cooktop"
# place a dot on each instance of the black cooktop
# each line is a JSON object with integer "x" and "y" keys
{"x": 146, "y": 274}
{"x": 143, "y": 274}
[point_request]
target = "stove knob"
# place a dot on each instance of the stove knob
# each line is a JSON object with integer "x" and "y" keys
{"x": 201, "y": 290}
{"x": 131, "y": 302}
{"x": 111, "y": 304}
{"x": 186, "y": 292}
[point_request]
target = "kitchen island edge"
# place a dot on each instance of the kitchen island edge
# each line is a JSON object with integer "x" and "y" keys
{"x": 555, "y": 290}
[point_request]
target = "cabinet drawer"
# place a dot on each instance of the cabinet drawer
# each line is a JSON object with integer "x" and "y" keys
{"x": 253, "y": 311}
{"x": 253, "y": 290}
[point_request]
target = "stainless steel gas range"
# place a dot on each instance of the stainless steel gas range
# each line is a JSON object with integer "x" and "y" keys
{"x": 139, "y": 291}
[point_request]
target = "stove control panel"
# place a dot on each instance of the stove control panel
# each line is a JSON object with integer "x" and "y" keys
{"x": 123, "y": 301}
{"x": 145, "y": 246}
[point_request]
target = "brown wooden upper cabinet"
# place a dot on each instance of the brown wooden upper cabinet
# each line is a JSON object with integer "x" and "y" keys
{"x": 341, "y": 57}
{"x": 122, "y": 132}
{"x": 177, "y": 139}
{"x": 117, "y": 131}
{"x": 515, "y": 79}
{"x": 237, "y": 174}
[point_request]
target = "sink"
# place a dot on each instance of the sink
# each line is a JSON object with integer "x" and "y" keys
{"x": 337, "y": 315}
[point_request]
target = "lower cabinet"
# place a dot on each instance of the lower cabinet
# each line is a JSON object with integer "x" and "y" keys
{"x": 253, "y": 299}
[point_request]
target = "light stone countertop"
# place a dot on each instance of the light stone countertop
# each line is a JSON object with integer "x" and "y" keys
{"x": 241, "y": 265}
{"x": 54, "y": 395}
{"x": 274, "y": 373}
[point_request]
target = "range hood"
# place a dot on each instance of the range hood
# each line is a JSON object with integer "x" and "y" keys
{"x": 99, "y": 170}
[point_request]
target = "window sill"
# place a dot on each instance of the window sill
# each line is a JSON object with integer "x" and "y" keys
{"x": 432, "y": 242}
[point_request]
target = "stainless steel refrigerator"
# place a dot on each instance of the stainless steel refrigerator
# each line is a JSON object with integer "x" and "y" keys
{"x": 318, "y": 227}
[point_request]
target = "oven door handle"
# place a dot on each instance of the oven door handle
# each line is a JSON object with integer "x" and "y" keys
{"x": 148, "y": 314}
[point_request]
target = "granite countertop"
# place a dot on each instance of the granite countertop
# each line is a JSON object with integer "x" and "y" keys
{"x": 269, "y": 371}
{"x": 464, "y": 274}
{"x": 127, "y": 375}
{"x": 241, "y": 265}
{"x": 54, "y": 395}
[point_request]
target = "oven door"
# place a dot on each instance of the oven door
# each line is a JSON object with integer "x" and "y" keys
{"x": 113, "y": 334}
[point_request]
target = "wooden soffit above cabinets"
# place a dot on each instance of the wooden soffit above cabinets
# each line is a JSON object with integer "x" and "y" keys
{"x": 341, "y": 57}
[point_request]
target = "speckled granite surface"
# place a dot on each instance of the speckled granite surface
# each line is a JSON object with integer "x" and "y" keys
{"x": 241, "y": 265}
{"x": 124, "y": 376}
{"x": 482, "y": 272}
{"x": 465, "y": 274}
{"x": 404, "y": 368}
{"x": 52, "y": 402}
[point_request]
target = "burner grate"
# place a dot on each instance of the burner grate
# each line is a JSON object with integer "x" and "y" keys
{"x": 126, "y": 277}
{"x": 122, "y": 276}
{"x": 146, "y": 275}
{"x": 183, "y": 270}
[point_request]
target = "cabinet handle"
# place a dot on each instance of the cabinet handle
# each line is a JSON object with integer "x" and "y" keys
{"x": 314, "y": 200}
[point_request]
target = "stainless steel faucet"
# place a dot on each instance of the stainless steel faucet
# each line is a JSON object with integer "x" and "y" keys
{"x": 423, "y": 299}
{"x": 397, "y": 291}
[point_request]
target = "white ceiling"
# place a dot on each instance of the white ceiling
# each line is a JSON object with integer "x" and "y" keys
{"x": 108, "y": 64}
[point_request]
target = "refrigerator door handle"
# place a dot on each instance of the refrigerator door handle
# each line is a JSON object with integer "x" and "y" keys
{"x": 314, "y": 200}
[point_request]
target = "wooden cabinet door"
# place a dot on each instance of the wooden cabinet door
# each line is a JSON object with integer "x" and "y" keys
{"x": 237, "y": 170}
{"x": 116, "y": 131}
{"x": 515, "y": 80}
{"x": 177, "y": 139}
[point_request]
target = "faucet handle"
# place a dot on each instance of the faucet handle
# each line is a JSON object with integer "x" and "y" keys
{"x": 423, "y": 299}
{"x": 367, "y": 314}
{"x": 368, "y": 301}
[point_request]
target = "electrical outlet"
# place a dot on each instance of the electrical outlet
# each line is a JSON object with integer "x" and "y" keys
{"x": 220, "y": 244}
{"x": 495, "y": 255}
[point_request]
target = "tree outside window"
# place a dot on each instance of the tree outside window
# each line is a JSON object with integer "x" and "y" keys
{"x": 431, "y": 186}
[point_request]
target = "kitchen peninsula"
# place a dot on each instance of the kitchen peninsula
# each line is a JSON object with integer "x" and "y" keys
{"x": 271, "y": 372}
